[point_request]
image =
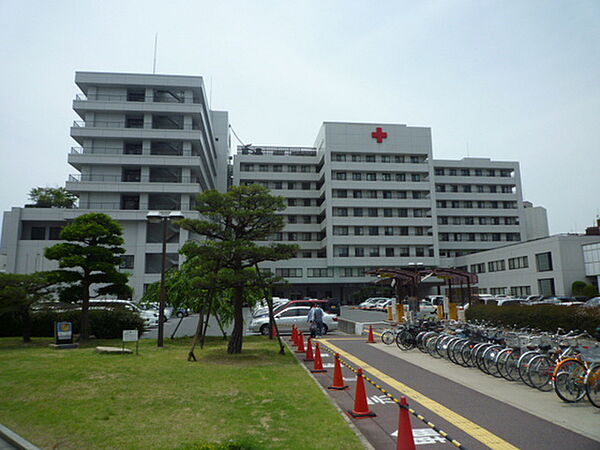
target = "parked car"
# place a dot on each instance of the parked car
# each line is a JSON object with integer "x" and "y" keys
{"x": 182, "y": 312}
{"x": 371, "y": 302}
{"x": 329, "y": 306}
{"x": 592, "y": 303}
{"x": 382, "y": 305}
{"x": 566, "y": 301}
{"x": 426, "y": 307}
{"x": 509, "y": 302}
{"x": 261, "y": 307}
{"x": 294, "y": 315}
{"x": 150, "y": 317}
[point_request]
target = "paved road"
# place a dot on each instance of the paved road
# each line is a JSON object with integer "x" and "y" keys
{"x": 473, "y": 418}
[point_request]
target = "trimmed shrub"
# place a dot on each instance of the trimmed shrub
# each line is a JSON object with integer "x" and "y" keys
{"x": 104, "y": 323}
{"x": 590, "y": 291}
{"x": 543, "y": 317}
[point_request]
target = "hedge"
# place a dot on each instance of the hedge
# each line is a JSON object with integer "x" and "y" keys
{"x": 104, "y": 323}
{"x": 543, "y": 317}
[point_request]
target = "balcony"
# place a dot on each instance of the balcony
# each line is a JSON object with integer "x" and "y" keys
{"x": 128, "y": 178}
{"x": 158, "y": 97}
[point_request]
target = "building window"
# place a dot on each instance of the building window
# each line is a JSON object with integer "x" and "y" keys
{"x": 387, "y": 195}
{"x": 356, "y": 176}
{"x": 292, "y": 237}
{"x": 373, "y": 231}
{"x": 319, "y": 272}
{"x": 37, "y": 233}
{"x": 291, "y": 185}
{"x": 340, "y": 176}
{"x": 306, "y": 236}
{"x": 386, "y": 176}
{"x": 358, "y": 212}
{"x": 306, "y": 202}
{"x": 289, "y": 273}
{"x": 388, "y": 231}
{"x": 356, "y": 158}
{"x": 399, "y": 159}
{"x": 371, "y": 194}
{"x": 341, "y": 212}
{"x": 154, "y": 233}
{"x": 357, "y": 194}
{"x": 439, "y": 171}
{"x": 404, "y": 252}
{"x": 374, "y": 251}
{"x": 277, "y": 168}
{"x": 518, "y": 263}
{"x": 386, "y": 158}
{"x": 520, "y": 291}
{"x": 359, "y": 231}
{"x": 389, "y": 252}
{"x": 291, "y": 168}
{"x": 359, "y": 251}
{"x": 340, "y": 231}
{"x": 291, "y": 202}
{"x": 342, "y": 252}
{"x": 402, "y": 212}
{"x": 371, "y": 176}
{"x": 419, "y": 251}
{"x": 546, "y": 287}
{"x": 544, "y": 261}
{"x": 307, "y": 254}
{"x": 339, "y": 157}
{"x": 154, "y": 262}
{"x": 126, "y": 262}
{"x": 478, "y": 268}
{"x": 54, "y": 234}
{"x": 496, "y": 266}
{"x": 400, "y": 177}
{"x": 291, "y": 219}
{"x": 372, "y": 212}
{"x": 370, "y": 158}
{"x": 387, "y": 212}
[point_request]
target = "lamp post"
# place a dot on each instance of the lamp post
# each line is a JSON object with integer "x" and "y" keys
{"x": 164, "y": 218}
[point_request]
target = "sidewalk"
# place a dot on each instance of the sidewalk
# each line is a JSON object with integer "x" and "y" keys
{"x": 9, "y": 440}
{"x": 444, "y": 396}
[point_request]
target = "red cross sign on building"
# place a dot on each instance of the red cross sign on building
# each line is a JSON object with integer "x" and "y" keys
{"x": 379, "y": 134}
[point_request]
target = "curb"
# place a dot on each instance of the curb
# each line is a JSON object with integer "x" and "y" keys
{"x": 353, "y": 427}
{"x": 15, "y": 440}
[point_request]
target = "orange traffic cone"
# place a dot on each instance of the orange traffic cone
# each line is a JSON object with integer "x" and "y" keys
{"x": 371, "y": 339}
{"x": 318, "y": 367}
{"x": 361, "y": 407}
{"x": 300, "y": 343}
{"x": 338, "y": 377}
{"x": 406, "y": 440}
{"x": 309, "y": 351}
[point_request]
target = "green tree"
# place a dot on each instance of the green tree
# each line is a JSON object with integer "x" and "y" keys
{"x": 20, "y": 292}
{"x": 577, "y": 287}
{"x": 89, "y": 262}
{"x": 49, "y": 197}
{"x": 590, "y": 291}
{"x": 233, "y": 223}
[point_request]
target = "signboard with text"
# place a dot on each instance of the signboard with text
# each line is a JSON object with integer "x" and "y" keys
{"x": 63, "y": 332}
{"x": 130, "y": 335}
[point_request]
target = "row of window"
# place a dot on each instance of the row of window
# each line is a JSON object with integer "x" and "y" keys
{"x": 451, "y": 171}
{"x": 385, "y": 212}
{"x": 302, "y": 202}
{"x": 376, "y": 252}
{"x": 385, "y": 231}
{"x": 468, "y": 204}
{"x": 478, "y": 188}
{"x": 370, "y": 158}
{"x": 543, "y": 263}
{"x": 516, "y": 291}
{"x": 302, "y": 219}
{"x": 472, "y": 237}
{"x": 378, "y": 176}
{"x": 327, "y": 272}
{"x": 292, "y": 168}
{"x": 344, "y": 193}
{"x": 467, "y": 220}
{"x": 153, "y": 262}
{"x": 41, "y": 233}
{"x": 289, "y": 185}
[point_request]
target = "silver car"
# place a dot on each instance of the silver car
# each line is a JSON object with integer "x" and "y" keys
{"x": 295, "y": 315}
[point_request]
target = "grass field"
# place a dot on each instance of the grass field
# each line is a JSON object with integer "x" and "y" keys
{"x": 82, "y": 400}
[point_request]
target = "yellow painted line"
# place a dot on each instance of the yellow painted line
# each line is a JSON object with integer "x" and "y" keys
{"x": 471, "y": 428}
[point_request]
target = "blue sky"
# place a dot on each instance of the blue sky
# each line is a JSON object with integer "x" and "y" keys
{"x": 509, "y": 80}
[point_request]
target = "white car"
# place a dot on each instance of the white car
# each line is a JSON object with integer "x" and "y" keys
{"x": 427, "y": 308}
{"x": 261, "y": 307}
{"x": 371, "y": 302}
{"x": 295, "y": 315}
{"x": 150, "y": 317}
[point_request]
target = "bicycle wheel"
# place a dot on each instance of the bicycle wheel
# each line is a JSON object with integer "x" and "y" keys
{"x": 466, "y": 354}
{"x": 422, "y": 340}
{"x": 489, "y": 360}
{"x": 405, "y": 340}
{"x": 478, "y": 356}
{"x": 387, "y": 337}
{"x": 570, "y": 386}
{"x": 432, "y": 344}
{"x": 523, "y": 366}
{"x": 501, "y": 362}
{"x": 592, "y": 385}
{"x": 453, "y": 353}
{"x": 540, "y": 373}
{"x": 511, "y": 366}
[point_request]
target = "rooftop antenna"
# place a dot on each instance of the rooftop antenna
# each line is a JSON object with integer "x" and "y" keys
{"x": 155, "y": 46}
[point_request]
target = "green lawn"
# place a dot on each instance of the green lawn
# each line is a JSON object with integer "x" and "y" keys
{"x": 80, "y": 399}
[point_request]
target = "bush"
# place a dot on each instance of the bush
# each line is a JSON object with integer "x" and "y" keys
{"x": 543, "y": 317}
{"x": 104, "y": 323}
{"x": 577, "y": 287}
{"x": 590, "y": 291}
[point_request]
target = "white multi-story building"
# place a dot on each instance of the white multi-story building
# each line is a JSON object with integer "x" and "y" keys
{"x": 371, "y": 195}
{"x": 144, "y": 142}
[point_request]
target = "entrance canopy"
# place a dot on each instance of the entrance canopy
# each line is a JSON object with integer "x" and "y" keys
{"x": 405, "y": 277}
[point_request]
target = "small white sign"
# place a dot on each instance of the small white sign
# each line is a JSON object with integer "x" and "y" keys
{"x": 328, "y": 366}
{"x": 381, "y": 399}
{"x": 130, "y": 335}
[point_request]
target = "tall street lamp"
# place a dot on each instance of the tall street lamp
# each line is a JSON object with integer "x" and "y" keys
{"x": 164, "y": 217}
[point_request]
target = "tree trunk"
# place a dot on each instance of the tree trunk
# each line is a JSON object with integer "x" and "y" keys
{"x": 203, "y": 335}
{"x": 84, "y": 326}
{"x": 220, "y": 326}
{"x": 272, "y": 324}
{"x": 26, "y": 318}
{"x": 191, "y": 356}
{"x": 237, "y": 335}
